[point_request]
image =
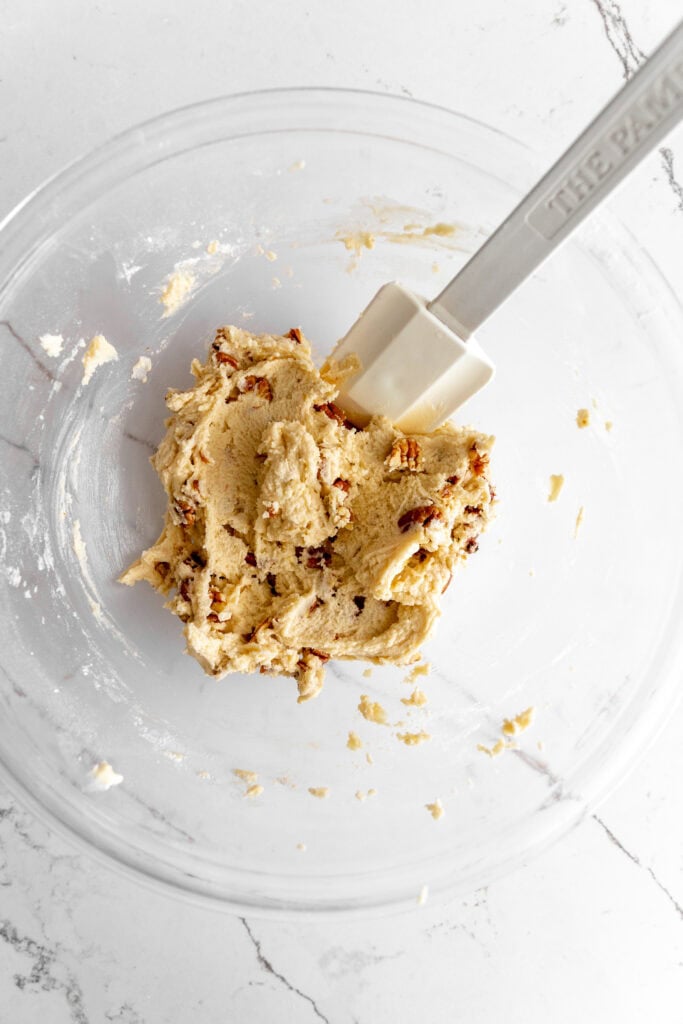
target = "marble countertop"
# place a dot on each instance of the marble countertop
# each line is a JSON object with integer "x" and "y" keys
{"x": 591, "y": 930}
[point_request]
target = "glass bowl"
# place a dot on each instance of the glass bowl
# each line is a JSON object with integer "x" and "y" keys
{"x": 271, "y": 201}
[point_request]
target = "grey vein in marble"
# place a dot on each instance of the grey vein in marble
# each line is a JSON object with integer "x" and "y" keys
{"x": 43, "y": 974}
{"x": 27, "y": 348}
{"x": 631, "y": 57}
{"x": 268, "y": 967}
{"x": 638, "y": 862}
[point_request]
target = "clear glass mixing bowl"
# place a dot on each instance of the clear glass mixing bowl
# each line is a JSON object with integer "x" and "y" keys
{"x": 582, "y": 624}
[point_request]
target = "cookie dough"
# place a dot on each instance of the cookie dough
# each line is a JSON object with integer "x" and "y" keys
{"x": 292, "y": 537}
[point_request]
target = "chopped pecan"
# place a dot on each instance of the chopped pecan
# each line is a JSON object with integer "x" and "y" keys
{"x": 473, "y": 510}
{"x": 492, "y": 493}
{"x": 343, "y": 485}
{"x": 423, "y": 515}
{"x": 452, "y": 479}
{"x": 186, "y": 513}
{"x": 421, "y": 555}
{"x": 333, "y": 412}
{"x": 318, "y": 558}
{"x": 311, "y": 652}
{"x": 478, "y": 461}
{"x": 212, "y": 617}
{"x": 448, "y": 583}
{"x": 405, "y": 453}
{"x": 359, "y": 603}
{"x": 271, "y": 580}
{"x": 318, "y": 603}
{"x": 223, "y": 357}
{"x": 262, "y": 625}
{"x": 294, "y": 334}
{"x": 250, "y": 559}
{"x": 258, "y": 384}
{"x": 215, "y": 595}
{"x": 471, "y": 545}
{"x": 298, "y": 552}
{"x": 195, "y": 485}
{"x": 185, "y": 590}
{"x": 163, "y": 568}
{"x": 195, "y": 560}
{"x": 202, "y": 456}
{"x": 272, "y": 511}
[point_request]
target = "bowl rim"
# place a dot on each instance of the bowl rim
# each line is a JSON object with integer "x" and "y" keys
{"x": 22, "y": 227}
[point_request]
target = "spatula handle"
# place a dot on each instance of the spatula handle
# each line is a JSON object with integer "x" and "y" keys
{"x": 641, "y": 113}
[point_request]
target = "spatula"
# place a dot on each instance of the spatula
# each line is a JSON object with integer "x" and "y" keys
{"x": 419, "y": 360}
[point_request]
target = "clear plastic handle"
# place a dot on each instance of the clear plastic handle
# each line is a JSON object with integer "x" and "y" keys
{"x": 639, "y": 116}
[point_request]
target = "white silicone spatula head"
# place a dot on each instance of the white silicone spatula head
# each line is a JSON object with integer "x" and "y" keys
{"x": 418, "y": 361}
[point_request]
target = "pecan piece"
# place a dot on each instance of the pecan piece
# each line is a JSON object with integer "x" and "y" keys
{"x": 184, "y": 590}
{"x": 423, "y": 515}
{"x": 186, "y": 513}
{"x": 405, "y": 453}
{"x": 473, "y": 510}
{"x": 212, "y": 617}
{"x": 250, "y": 559}
{"x": 294, "y": 334}
{"x": 319, "y": 557}
{"x": 478, "y": 461}
{"x": 271, "y": 580}
{"x": 258, "y": 384}
{"x": 163, "y": 568}
{"x": 333, "y": 412}
{"x": 318, "y": 603}
{"x": 471, "y": 545}
{"x": 343, "y": 485}
{"x": 224, "y": 358}
{"x": 359, "y": 603}
{"x": 311, "y": 652}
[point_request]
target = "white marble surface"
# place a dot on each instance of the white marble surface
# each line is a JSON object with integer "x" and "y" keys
{"x": 593, "y": 929}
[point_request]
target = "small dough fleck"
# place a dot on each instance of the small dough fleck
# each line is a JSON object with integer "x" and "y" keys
{"x": 423, "y": 669}
{"x": 213, "y": 247}
{"x": 522, "y": 721}
{"x": 556, "y": 485}
{"x": 98, "y": 352}
{"x": 354, "y": 742}
{"x": 321, "y": 792}
{"x": 423, "y": 896}
{"x": 583, "y": 418}
{"x": 436, "y": 809}
{"x": 497, "y": 748}
{"x": 243, "y": 773}
{"x": 176, "y": 292}
{"x": 301, "y": 847}
{"x": 579, "y": 521}
{"x": 372, "y": 711}
{"x": 608, "y": 426}
{"x": 104, "y": 776}
{"x": 253, "y": 791}
{"x": 417, "y": 698}
{"x": 52, "y": 344}
{"x": 413, "y": 739}
{"x": 141, "y": 369}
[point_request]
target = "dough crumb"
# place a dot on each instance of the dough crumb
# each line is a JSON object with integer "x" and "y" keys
{"x": 141, "y": 369}
{"x": 556, "y": 485}
{"x": 608, "y": 426}
{"x": 354, "y": 741}
{"x": 369, "y": 758}
{"x": 52, "y": 344}
{"x": 104, "y": 776}
{"x": 372, "y": 711}
{"x": 270, "y": 255}
{"x": 301, "y": 847}
{"x": 522, "y": 721}
{"x": 98, "y": 352}
{"x": 174, "y": 755}
{"x": 417, "y": 699}
{"x": 360, "y": 795}
{"x": 423, "y": 669}
{"x": 203, "y": 774}
{"x": 298, "y": 165}
{"x": 579, "y": 521}
{"x": 213, "y": 247}
{"x": 253, "y": 791}
{"x": 435, "y": 268}
{"x": 277, "y": 283}
{"x": 413, "y": 739}
{"x": 436, "y": 809}
{"x": 246, "y": 775}
{"x": 176, "y": 292}
{"x": 321, "y": 792}
{"x": 440, "y": 229}
{"x": 423, "y": 896}
{"x": 497, "y": 748}
{"x": 583, "y": 418}
{"x": 367, "y": 673}
{"x": 355, "y": 241}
